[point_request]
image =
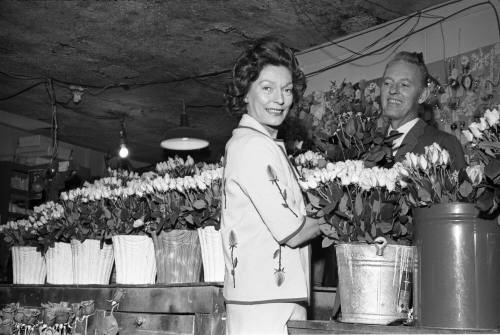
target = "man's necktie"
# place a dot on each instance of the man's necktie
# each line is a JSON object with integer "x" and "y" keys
{"x": 392, "y": 133}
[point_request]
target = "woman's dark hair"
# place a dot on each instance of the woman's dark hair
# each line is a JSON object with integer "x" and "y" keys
{"x": 246, "y": 70}
{"x": 415, "y": 58}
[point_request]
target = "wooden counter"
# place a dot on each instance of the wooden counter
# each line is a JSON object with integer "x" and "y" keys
{"x": 333, "y": 327}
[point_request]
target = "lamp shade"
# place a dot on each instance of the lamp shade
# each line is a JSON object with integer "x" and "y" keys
{"x": 184, "y": 137}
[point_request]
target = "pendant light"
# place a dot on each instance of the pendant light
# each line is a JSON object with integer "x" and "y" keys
{"x": 184, "y": 137}
{"x": 123, "y": 151}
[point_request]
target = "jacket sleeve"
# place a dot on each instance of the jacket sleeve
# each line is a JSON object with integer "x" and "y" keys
{"x": 258, "y": 172}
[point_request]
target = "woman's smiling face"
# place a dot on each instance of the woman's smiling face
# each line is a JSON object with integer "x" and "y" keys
{"x": 270, "y": 96}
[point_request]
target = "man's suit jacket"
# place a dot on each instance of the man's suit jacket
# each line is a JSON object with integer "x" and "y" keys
{"x": 422, "y": 135}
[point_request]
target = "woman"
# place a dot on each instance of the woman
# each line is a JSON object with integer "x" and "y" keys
{"x": 264, "y": 223}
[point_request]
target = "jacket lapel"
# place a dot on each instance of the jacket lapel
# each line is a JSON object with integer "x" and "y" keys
{"x": 410, "y": 141}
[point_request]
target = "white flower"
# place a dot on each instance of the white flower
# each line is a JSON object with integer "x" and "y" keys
{"x": 492, "y": 116}
{"x": 445, "y": 157}
{"x": 483, "y": 125}
{"x": 312, "y": 184}
{"x": 138, "y": 223}
{"x": 474, "y": 128}
{"x": 411, "y": 160}
{"x": 422, "y": 162}
{"x": 475, "y": 173}
{"x": 468, "y": 135}
{"x": 433, "y": 154}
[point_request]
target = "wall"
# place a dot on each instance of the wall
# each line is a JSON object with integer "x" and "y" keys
{"x": 83, "y": 157}
{"x": 471, "y": 29}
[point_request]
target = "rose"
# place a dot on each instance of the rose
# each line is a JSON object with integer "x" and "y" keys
{"x": 475, "y": 173}
{"x": 483, "y": 125}
{"x": 492, "y": 116}
{"x": 474, "y": 128}
{"x": 468, "y": 135}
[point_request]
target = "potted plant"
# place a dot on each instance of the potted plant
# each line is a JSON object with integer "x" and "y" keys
{"x": 359, "y": 206}
{"x": 125, "y": 210}
{"x": 178, "y": 207}
{"x": 54, "y": 236}
{"x": 28, "y": 263}
{"x": 91, "y": 249}
{"x": 456, "y": 215}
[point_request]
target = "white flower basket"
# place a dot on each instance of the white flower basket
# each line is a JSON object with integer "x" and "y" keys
{"x": 212, "y": 254}
{"x": 135, "y": 259}
{"x": 59, "y": 264}
{"x": 91, "y": 264}
{"x": 28, "y": 266}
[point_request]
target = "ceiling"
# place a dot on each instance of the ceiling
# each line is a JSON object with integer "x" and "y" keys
{"x": 138, "y": 60}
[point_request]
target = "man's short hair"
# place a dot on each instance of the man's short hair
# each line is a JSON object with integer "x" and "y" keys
{"x": 415, "y": 58}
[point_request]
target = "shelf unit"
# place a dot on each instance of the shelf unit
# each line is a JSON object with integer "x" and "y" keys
{"x": 17, "y": 199}
{"x": 17, "y": 196}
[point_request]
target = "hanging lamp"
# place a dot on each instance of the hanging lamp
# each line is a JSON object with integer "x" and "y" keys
{"x": 123, "y": 150}
{"x": 184, "y": 137}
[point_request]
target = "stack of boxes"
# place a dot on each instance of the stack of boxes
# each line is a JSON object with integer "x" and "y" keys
{"x": 37, "y": 150}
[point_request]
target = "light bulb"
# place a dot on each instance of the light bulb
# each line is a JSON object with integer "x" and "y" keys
{"x": 123, "y": 153}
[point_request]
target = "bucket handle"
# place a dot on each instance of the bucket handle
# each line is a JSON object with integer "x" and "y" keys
{"x": 380, "y": 244}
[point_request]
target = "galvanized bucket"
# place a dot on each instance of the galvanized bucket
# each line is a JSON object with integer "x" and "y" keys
{"x": 458, "y": 282}
{"x": 375, "y": 281}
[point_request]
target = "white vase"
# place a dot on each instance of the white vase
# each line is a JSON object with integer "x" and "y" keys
{"x": 134, "y": 259}
{"x": 212, "y": 254}
{"x": 59, "y": 264}
{"x": 91, "y": 264}
{"x": 28, "y": 265}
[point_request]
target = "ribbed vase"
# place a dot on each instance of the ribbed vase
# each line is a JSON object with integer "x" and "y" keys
{"x": 134, "y": 259}
{"x": 59, "y": 264}
{"x": 28, "y": 266}
{"x": 178, "y": 256}
{"x": 211, "y": 254}
{"x": 91, "y": 264}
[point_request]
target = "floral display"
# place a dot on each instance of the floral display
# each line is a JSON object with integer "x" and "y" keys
{"x": 345, "y": 123}
{"x": 357, "y": 203}
{"x": 483, "y": 148}
{"x": 360, "y": 196}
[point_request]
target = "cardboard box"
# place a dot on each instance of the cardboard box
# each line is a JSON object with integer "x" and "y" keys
{"x": 33, "y": 140}
{"x": 63, "y": 152}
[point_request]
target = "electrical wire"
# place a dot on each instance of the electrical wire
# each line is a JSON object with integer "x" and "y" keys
{"x": 350, "y": 59}
{"x": 18, "y": 76}
{"x": 431, "y": 16}
{"x": 355, "y": 54}
{"x": 367, "y": 31}
{"x": 21, "y": 91}
{"x": 295, "y": 6}
{"x": 54, "y": 129}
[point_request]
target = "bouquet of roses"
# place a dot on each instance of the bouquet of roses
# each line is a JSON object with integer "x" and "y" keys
{"x": 429, "y": 180}
{"x": 357, "y": 203}
{"x": 483, "y": 148}
{"x": 54, "y": 227}
{"x": 23, "y": 232}
{"x": 176, "y": 167}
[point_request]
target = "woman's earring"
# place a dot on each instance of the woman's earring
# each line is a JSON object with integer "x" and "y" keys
{"x": 245, "y": 100}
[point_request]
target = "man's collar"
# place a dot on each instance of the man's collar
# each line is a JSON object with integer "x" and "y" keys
{"x": 405, "y": 128}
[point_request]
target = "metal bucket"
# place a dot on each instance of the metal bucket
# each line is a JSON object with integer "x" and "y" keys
{"x": 375, "y": 281}
{"x": 458, "y": 281}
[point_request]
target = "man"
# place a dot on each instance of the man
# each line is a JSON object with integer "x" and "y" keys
{"x": 404, "y": 89}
